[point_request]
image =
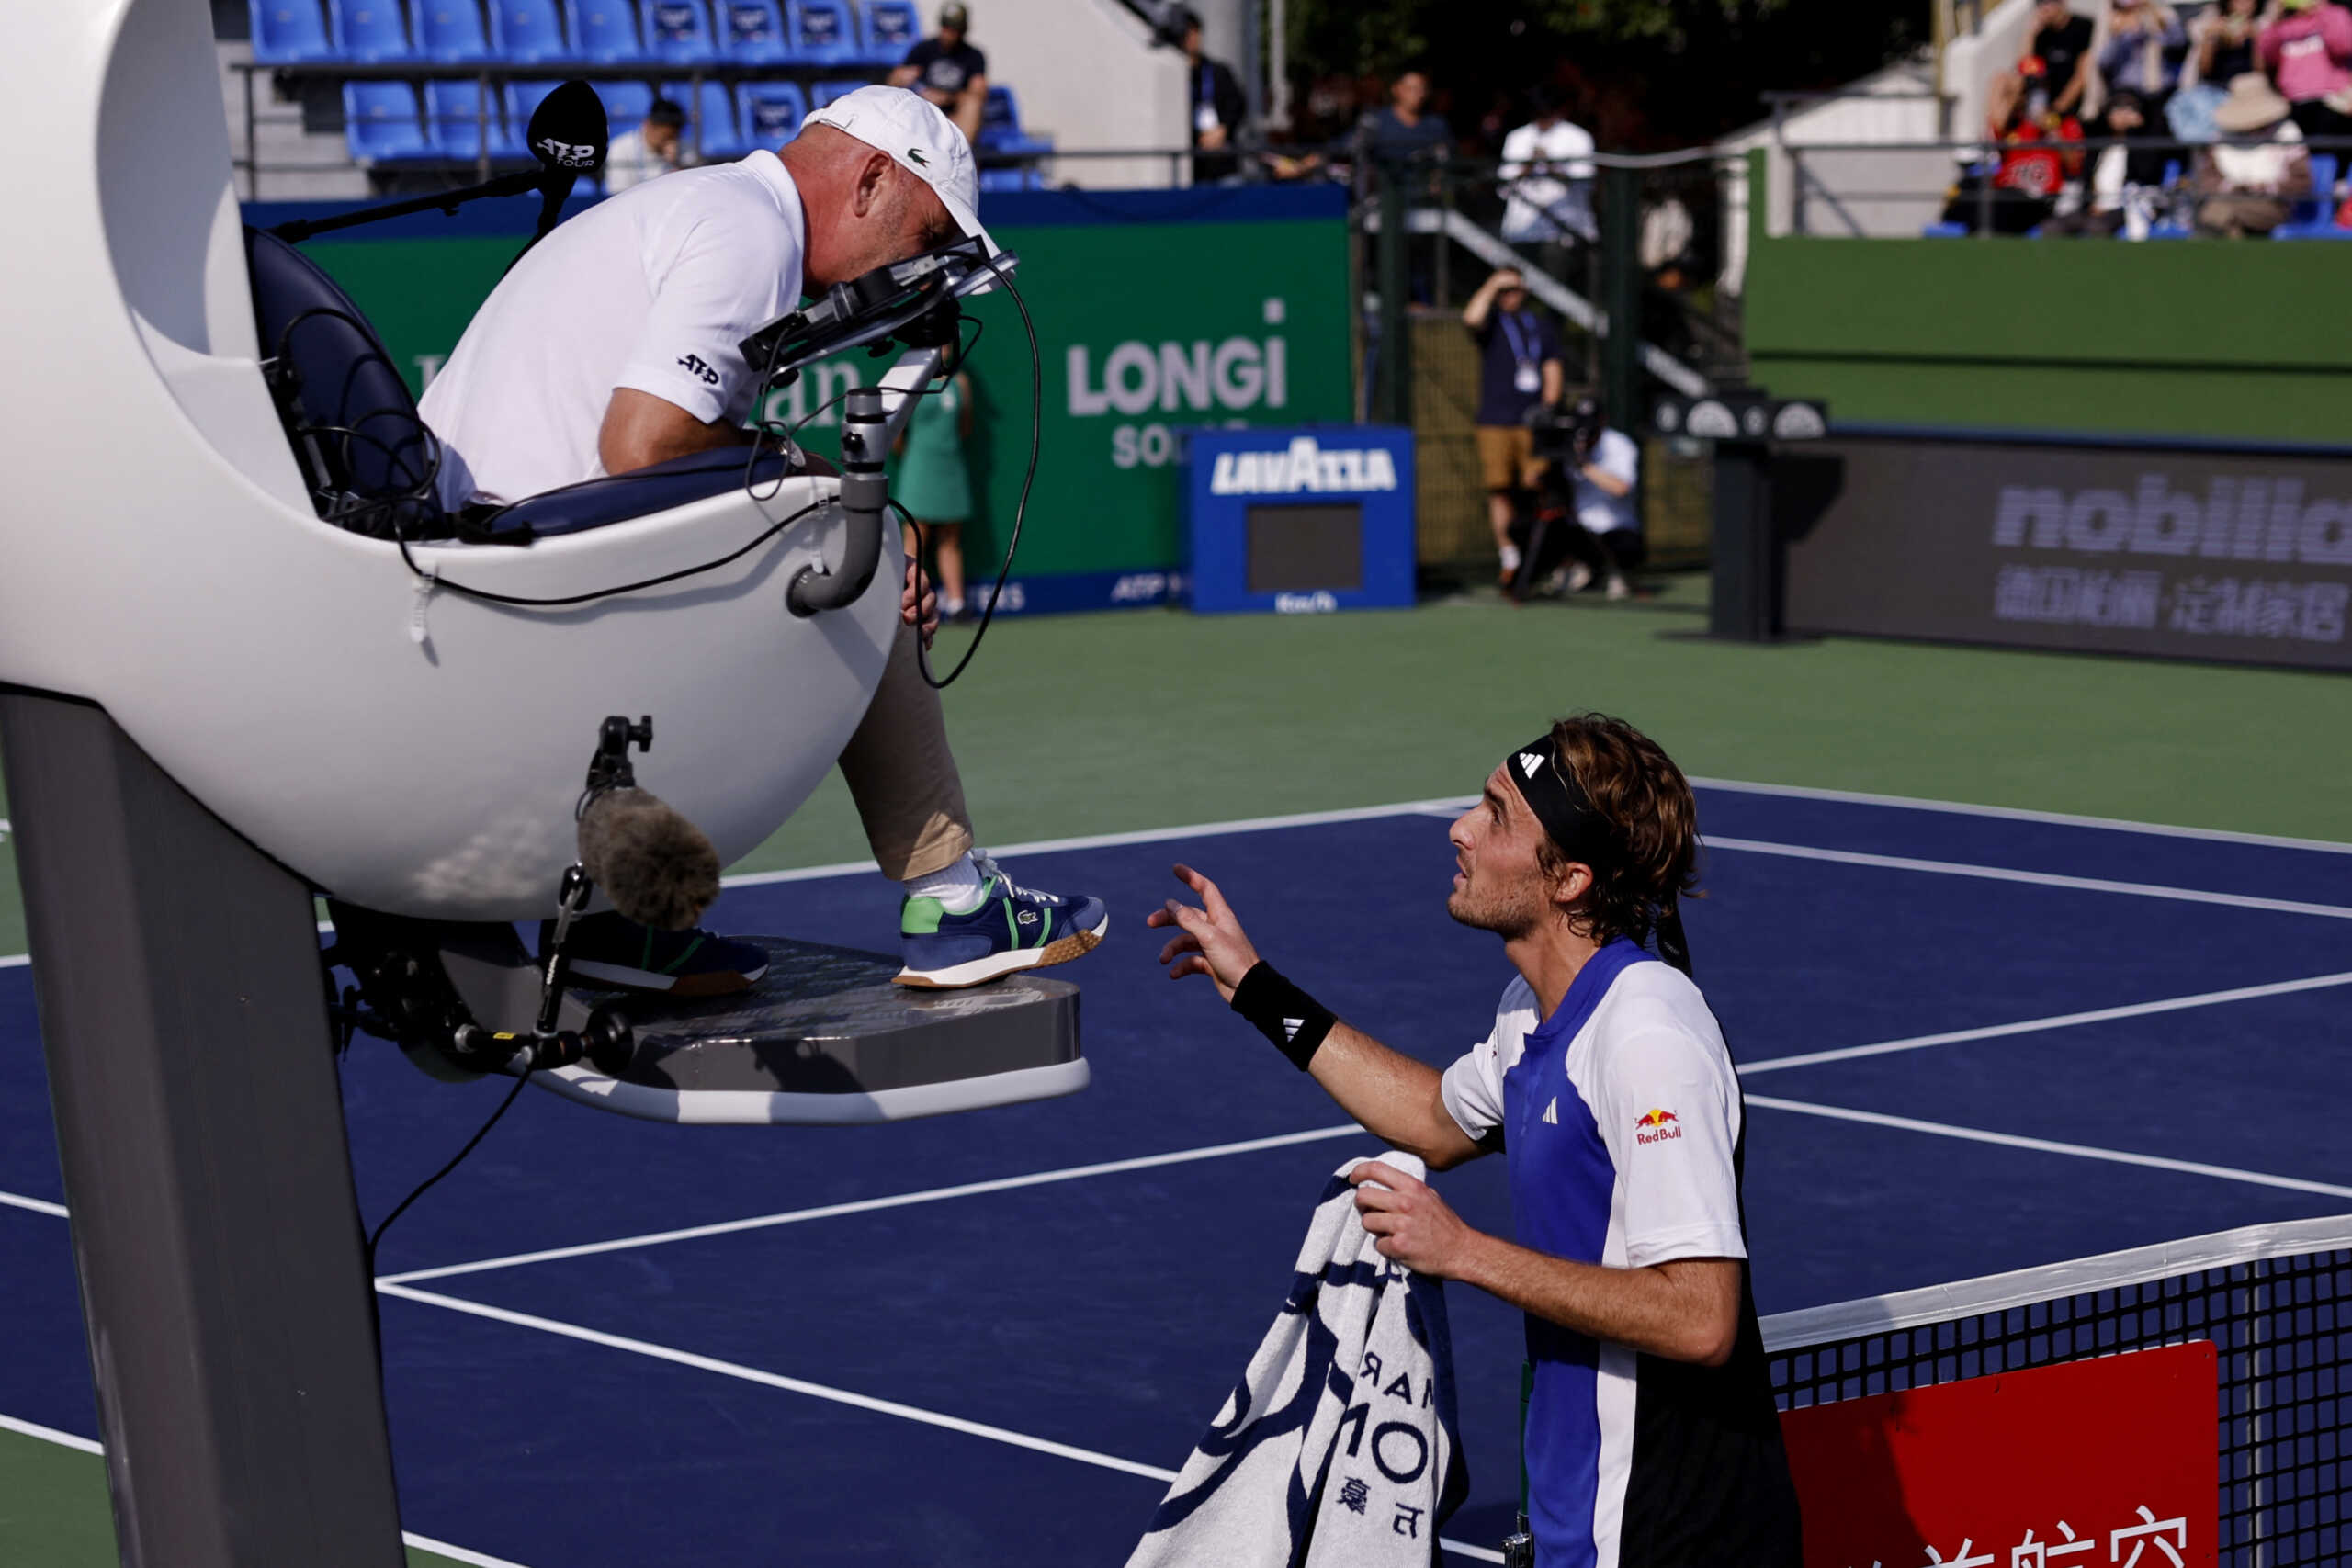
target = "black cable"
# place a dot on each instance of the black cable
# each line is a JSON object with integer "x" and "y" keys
{"x": 455, "y": 1160}
{"x": 1021, "y": 508}
{"x": 486, "y": 596}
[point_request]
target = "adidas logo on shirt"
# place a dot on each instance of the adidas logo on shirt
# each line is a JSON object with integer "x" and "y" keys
{"x": 1552, "y": 1111}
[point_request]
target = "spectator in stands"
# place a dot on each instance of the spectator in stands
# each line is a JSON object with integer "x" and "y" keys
{"x": 2307, "y": 48}
{"x": 1218, "y": 108}
{"x": 2146, "y": 47}
{"x": 2248, "y": 180}
{"x": 2221, "y": 51}
{"x": 638, "y": 153}
{"x": 1548, "y": 176}
{"x": 1405, "y": 132}
{"x": 934, "y": 483}
{"x": 1520, "y": 371}
{"x": 2057, "y": 57}
{"x": 2127, "y": 172}
{"x": 2032, "y": 171}
{"x": 949, "y": 71}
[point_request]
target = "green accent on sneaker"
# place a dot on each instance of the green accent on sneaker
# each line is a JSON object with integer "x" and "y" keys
{"x": 921, "y": 917}
{"x": 678, "y": 964}
{"x": 1011, "y": 931}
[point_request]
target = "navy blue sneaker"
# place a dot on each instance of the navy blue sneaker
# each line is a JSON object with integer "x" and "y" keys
{"x": 1014, "y": 927}
{"x": 607, "y": 950}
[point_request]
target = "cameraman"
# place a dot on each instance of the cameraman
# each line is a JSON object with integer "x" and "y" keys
{"x": 1590, "y": 502}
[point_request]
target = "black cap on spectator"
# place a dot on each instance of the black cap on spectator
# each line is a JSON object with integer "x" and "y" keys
{"x": 1542, "y": 100}
{"x": 952, "y": 14}
{"x": 665, "y": 112}
{"x": 2126, "y": 98}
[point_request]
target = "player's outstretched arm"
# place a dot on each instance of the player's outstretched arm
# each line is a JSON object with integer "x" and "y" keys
{"x": 1394, "y": 1096}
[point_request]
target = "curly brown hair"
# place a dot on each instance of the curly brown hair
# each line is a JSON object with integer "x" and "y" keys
{"x": 1653, "y": 822}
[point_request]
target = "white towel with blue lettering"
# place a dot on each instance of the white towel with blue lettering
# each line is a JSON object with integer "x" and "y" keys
{"x": 1338, "y": 1450}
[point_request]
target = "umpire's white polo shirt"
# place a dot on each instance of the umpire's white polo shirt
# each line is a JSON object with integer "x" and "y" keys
{"x": 652, "y": 289}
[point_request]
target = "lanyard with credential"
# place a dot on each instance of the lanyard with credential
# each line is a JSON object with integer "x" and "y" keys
{"x": 1523, "y": 349}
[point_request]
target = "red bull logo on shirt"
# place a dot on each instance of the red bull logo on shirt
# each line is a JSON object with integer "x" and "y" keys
{"x": 1657, "y": 1127}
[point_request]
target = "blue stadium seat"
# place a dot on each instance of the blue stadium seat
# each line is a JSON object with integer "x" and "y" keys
{"x": 379, "y": 123}
{"x": 450, "y": 31}
{"x": 1940, "y": 230}
{"x": 605, "y": 31}
{"x": 527, "y": 32}
{"x": 750, "y": 32}
{"x": 892, "y": 27}
{"x": 1000, "y": 129}
{"x": 2313, "y": 217}
{"x": 452, "y": 122}
{"x": 1011, "y": 179}
{"x": 823, "y": 33}
{"x": 677, "y": 32}
{"x": 626, "y": 104}
{"x": 290, "y": 32}
{"x": 714, "y": 116}
{"x": 367, "y": 31}
{"x": 824, "y": 92}
{"x": 771, "y": 112}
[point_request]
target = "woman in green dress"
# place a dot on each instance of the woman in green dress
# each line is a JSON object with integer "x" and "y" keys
{"x": 934, "y": 484}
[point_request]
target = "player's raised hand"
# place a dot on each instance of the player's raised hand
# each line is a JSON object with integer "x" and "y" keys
{"x": 1209, "y": 939}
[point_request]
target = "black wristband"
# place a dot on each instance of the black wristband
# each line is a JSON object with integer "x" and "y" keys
{"x": 1293, "y": 1020}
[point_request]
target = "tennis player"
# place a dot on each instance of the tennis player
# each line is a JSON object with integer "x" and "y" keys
{"x": 1651, "y": 1437}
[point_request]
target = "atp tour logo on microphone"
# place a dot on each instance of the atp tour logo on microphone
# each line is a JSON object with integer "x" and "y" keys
{"x": 566, "y": 154}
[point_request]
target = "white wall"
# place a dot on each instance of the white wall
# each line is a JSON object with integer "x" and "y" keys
{"x": 1087, "y": 75}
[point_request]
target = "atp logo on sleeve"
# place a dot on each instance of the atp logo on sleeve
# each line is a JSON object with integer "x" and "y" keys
{"x": 1657, "y": 1127}
{"x": 697, "y": 366}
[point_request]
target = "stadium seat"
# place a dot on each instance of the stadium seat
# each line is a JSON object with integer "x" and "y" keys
{"x": 450, "y": 31}
{"x": 605, "y": 31}
{"x": 367, "y": 31}
{"x": 750, "y": 32}
{"x": 771, "y": 112}
{"x": 1027, "y": 179}
{"x": 713, "y": 116}
{"x": 626, "y": 104}
{"x": 677, "y": 32}
{"x": 290, "y": 32}
{"x": 824, "y": 92}
{"x": 891, "y": 28}
{"x": 527, "y": 32}
{"x": 454, "y": 126}
{"x": 379, "y": 123}
{"x": 1944, "y": 232}
{"x": 823, "y": 33}
{"x": 2313, "y": 217}
{"x": 1000, "y": 129}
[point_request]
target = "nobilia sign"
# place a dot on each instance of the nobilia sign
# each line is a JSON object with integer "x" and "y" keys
{"x": 2242, "y": 556}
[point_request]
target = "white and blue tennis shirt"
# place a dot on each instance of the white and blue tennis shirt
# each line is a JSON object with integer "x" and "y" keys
{"x": 1621, "y": 1120}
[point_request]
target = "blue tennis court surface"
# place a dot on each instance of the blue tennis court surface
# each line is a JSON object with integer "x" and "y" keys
{"x": 1007, "y": 1376}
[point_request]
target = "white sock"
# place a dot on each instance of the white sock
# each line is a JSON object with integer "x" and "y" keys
{"x": 1510, "y": 558}
{"x": 957, "y": 885}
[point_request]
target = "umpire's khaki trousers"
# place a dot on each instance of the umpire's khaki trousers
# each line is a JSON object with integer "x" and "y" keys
{"x": 902, "y": 775}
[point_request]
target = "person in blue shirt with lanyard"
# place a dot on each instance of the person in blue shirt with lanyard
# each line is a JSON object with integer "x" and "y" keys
{"x": 1218, "y": 108}
{"x": 1651, "y": 1438}
{"x": 1519, "y": 370}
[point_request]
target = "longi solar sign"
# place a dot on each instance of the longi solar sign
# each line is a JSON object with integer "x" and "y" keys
{"x": 2237, "y": 556}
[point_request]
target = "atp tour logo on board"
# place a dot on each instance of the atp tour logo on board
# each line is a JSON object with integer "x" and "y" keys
{"x": 1303, "y": 468}
{"x": 1657, "y": 1127}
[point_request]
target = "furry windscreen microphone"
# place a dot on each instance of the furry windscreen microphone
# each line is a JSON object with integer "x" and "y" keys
{"x": 657, "y": 867}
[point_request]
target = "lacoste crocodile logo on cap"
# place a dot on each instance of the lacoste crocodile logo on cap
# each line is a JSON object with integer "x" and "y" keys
{"x": 916, "y": 154}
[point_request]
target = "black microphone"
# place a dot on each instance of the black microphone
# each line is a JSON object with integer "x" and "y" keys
{"x": 659, "y": 869}
{"x": 569, "y": 135}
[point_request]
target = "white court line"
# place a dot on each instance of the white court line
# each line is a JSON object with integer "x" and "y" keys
{"x": 37, "y": 1205}
{"x": 2037, "y": 878}
{"x": 868, "y": 1205}
{"x": 817, "y": 1390}
{"x": 2045, "y": 1145}
{"x": 2035, "y": 1025}
{"x": 84, "y": 1445}
{"x": 2021, "y": 814}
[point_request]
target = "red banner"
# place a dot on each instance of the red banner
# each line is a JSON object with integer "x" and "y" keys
{"x": 2110, "y": 1463}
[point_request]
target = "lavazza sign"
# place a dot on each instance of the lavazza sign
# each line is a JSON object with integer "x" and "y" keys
{"x": 2239, "y": 557}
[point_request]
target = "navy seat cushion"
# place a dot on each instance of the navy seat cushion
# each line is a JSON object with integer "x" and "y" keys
{"x": 617, "y": 498}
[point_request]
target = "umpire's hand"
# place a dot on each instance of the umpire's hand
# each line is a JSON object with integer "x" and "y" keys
{"x": 1209, "y": 940}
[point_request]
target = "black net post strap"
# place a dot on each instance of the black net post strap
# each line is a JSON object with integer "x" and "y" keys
{"x": 2274, "y": 1302}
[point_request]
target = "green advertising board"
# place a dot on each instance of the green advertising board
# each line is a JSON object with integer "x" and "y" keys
{"x": 1155, "y": 312}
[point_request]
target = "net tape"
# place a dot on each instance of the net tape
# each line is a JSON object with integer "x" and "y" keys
{"x": 2275, "y": 1300}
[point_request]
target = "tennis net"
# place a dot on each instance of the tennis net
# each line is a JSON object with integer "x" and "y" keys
{"x": 2275, "y": 1302}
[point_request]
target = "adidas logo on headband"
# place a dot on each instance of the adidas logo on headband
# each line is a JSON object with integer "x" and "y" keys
{"x": 1529, "y": 762}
